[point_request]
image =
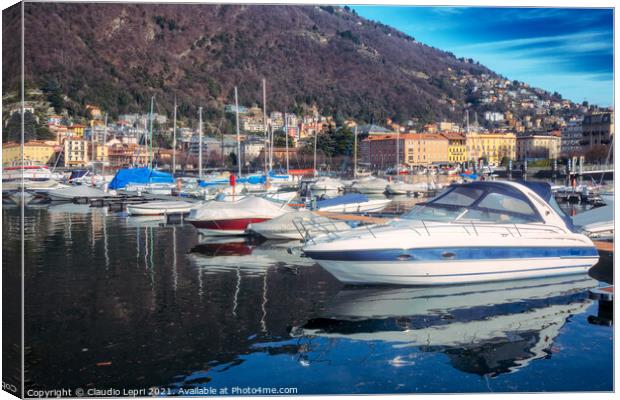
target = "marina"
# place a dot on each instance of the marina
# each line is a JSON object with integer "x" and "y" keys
{"x": 209, "y": 311}
{"x": 281, "y": 200}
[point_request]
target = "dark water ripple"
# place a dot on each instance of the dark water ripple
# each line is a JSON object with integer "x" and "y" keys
{"x": 120, "y": 302}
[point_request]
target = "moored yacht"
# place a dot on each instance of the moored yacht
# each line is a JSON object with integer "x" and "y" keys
{"x": 28, "y": 171}
{"x": 233, "y": 217}
{"x": 369, "y": 185}
{"x": 476, "y": 232}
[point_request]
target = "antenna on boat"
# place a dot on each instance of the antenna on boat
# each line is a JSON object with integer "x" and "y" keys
{"x": 200, "y": 142}
{"x": 238, "y": 136}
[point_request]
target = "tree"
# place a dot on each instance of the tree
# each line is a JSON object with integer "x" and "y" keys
{"x": 280, "y": 141}
{"x": 14, "y": 128}
{"x": 232, "y": 159}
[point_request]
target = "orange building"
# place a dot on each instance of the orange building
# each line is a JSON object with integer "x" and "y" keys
{"x": 414, "y": 149}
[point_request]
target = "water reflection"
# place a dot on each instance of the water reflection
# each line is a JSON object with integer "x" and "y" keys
{"x": 486, "y": 329}
{"x": 117, "y": 301}
{"x": 215, "y": 254}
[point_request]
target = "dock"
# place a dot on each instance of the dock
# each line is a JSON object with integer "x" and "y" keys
{"x": 604, "y": 246}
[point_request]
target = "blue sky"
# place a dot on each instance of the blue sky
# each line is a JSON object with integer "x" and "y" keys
{"x": 558, "y": 49}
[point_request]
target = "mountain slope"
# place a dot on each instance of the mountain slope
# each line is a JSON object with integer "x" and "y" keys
{"x": 118, "y": 55}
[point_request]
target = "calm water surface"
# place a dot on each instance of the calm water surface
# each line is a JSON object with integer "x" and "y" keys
{"x": 124, "y": 302}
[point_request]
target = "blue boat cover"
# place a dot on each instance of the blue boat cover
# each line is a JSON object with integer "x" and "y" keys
{"x": 469, "y": 176}
{"x": 139, "y": 176}
{"x": 344, "y": 199}
{"x": 217, "y": 182}
{"x": 274, "y": 175}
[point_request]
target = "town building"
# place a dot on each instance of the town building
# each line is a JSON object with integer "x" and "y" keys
{"x": 538, "y": 146}
{"x": 572, "y": 135}
{"x": 252, "y": 123}
{"x": 35, "y": 151}
{"x": 127, "y": 154}
{"x": 251, "y": 148}
{"x": 597, "y": 128}
{"x": 209, "y": 145}
{"x": 491, "y": 146}
{"x": 457, "y": 147}
{"x": 493, "y": 116}
{"x": 76, "y": 130}
{"x": 371, "y": 130}
{"x": 76, "y": 152}
{"x": 414, "y": 149}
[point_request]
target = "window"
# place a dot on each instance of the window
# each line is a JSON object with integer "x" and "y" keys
{"x": 498, "y": 201}
{"x": 460, "y": 196}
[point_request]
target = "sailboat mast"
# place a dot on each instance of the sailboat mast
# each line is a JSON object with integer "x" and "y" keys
{"x": 92, "y": 145}
{"x": 238, "y": 136}
{"x": 355, "y": 153}
{"x": 316, "y": 134}
{"x": 270, "y": 146}
{"x": 397, "y": 151}
{"x": 174, "y": 138}
{"x": 286, "y": 140}
{"x": 151, "y": 134}
{"x": 105, "y": 139}
{"x": 265, "y": 125}
{"x": 200, "y": 142}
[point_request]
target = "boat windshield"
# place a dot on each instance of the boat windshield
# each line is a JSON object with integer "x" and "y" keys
{"x": 477, "y": 204}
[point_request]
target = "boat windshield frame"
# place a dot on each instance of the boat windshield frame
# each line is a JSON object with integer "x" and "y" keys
{"x": 461, "y": 210}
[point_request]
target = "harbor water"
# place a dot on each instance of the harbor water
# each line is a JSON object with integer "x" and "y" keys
{"x": 124, "y": 302}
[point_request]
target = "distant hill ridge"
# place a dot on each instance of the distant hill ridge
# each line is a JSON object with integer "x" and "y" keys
{"x": 118, "y": 55}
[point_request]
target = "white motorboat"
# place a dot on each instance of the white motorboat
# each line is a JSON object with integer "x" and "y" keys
{"x": 369, "y": 185}
{"x": 151, "y": 188}
{"x": 72, "y": 192}
{"x": 327, "y": 184}
{"x": 476, "y": 232}
{"x": 288, "y": 226}
{"x": 352, "y": 203}
{"x": 28, "y": 171}
{"x": 233, "y": 217}
{"x": 160, "y": 208}
{"x": 226, "y": 194}
{"x": 398, "y": 188}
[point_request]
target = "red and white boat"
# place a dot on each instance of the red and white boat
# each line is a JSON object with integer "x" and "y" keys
{"x": 29, "y": 171}
{"x": 233, "y": 217}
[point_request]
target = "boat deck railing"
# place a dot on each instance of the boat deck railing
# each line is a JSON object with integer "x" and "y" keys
{"x": 308, "y": 229}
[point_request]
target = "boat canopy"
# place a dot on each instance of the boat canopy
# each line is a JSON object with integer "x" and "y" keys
{"x": 145, "y": 175}
{"x": 496, "y": 202}
{"x": 543, "y": 190}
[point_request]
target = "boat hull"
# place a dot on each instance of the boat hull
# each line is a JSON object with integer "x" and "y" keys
{"x": 225, "y": 226}
{"x": 157, "y": 209}
{"x": 368, "y": 206}
{"x": 453, "y": 272}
